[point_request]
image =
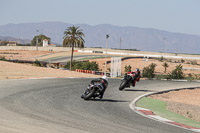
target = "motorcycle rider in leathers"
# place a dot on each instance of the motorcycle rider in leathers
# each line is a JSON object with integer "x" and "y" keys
{"x": 102, "y": 83}
{"x": 135, "y": 76}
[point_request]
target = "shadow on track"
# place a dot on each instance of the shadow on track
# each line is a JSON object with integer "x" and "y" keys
{"x": 107, "y": 100}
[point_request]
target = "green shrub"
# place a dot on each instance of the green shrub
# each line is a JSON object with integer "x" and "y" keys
{"x": 161, "y": 59}
{"x": 83, "y": 65}
{"x": 37, "y": 63}
{"x": 190, "y": 77}
{"x": 182, "y": 60}
{"x": 149, "y": 71}
{"x": 197, "y": 76}
{"x": 127, "y": 68}
{"x": 193, "y": 76}
{"x": 177, "y": 73}
{"x": 194, "y": 62}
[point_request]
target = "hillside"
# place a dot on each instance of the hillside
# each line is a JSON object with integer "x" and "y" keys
{"x": 143, "y": 39}
{"x": 18, "y": 40}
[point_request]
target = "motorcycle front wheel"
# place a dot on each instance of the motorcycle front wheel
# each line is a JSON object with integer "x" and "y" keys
{"x": 123, "y": 84}
{"x": 88, "y": 94}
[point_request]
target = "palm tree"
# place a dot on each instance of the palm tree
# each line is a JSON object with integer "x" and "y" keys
{"x": 73, "y": 37}
{"x": 165, "y": 65}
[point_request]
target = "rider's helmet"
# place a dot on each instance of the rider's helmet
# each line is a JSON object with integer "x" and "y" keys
{"x": 105, "y": 81}
{"x": 138, "y": 71}
{"x": 105, "y": 77}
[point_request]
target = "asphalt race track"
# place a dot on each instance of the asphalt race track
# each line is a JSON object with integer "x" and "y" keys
{"x": 55, "y": 106}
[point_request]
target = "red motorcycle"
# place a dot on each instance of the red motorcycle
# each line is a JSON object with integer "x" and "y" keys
{"x": 130, "y": 78}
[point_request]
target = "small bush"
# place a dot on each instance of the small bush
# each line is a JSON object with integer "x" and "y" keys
{"x": 194, "y": 62}
{"x": 37, "y": 63}
{"x": 149, "y": 71}
{"x": 197, "y": 76}
{"x": 127, "y": 68}
{"x": 177, "y": 73}
{"x": 161, "y": 59}
{"x": 193, "y": 76}
{"x": 190, "y": 77}
{"x": 182, "y": 60}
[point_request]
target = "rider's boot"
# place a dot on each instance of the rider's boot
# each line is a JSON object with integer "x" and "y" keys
{"x": 133, "y": 83}
{"x": 100, "y": 96}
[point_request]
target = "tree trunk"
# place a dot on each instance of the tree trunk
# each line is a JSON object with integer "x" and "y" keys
{"x": 72, "y": 56}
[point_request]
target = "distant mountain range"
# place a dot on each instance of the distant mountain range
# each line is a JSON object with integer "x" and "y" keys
{"x": 144, "y": 39}
{"x": 18, "y": 40}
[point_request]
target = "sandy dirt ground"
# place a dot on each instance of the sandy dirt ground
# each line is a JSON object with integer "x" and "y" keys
{"x": 185, "y": 102}
{"x": 10, "y": 70}
{"x": 139, "y": 63}
{"x": 24, "y": 55}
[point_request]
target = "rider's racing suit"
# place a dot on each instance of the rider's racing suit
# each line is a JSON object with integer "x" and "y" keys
{"x": 135, "y": 76}
{"x": 103, "y": 84}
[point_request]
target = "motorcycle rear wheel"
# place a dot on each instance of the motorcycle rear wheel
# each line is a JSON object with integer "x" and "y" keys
{"x": 123, "y": 85}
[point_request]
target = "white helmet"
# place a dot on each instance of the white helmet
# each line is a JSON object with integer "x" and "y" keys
{"x": 105, "y": 77}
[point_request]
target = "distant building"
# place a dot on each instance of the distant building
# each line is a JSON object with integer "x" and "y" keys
{"x": 45, "y": 43}
{"x": 12, "y": 43}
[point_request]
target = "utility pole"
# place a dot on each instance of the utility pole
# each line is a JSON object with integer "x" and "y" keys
{"x": 18, "y": 41}
{"x": 120, "y": 44}
{"x": 164, "y": 39}
{"x": 107, "y": 36}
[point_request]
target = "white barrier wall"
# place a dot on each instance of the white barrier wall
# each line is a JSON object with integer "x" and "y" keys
{"x": 115, "y": 67}
{"x": 34, "y": 48}
{"x": 109, "y": 51}
{"x": 85, "y": 50}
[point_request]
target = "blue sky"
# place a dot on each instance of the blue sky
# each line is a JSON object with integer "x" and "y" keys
{"x": 181, "y": 16}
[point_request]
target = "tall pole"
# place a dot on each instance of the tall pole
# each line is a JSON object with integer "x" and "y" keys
{"x": 176, "y": 51}
{"x": 164, "y": 45}
{"x": 120, "y": 43}
{"x": 18, "y": 41}
{"x": 107, "y": 36}
{"x": 37, "y": 40}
